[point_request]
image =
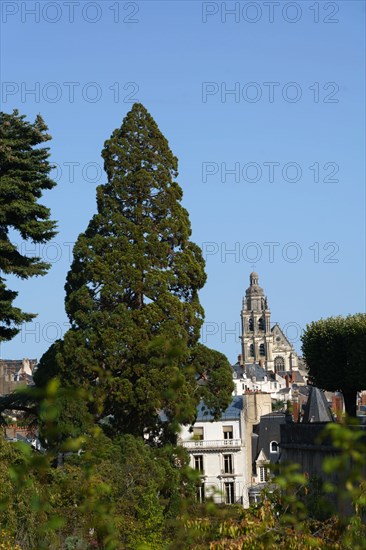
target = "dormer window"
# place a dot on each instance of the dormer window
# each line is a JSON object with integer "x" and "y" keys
{"x": 263, "y": 474}
{"x": 273, "y": 447}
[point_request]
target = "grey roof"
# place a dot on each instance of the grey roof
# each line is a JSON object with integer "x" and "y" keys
{"x": 254, "y": 369}
{"x": 277, "y": 416}
{"x": 238, "y": 369}
{"x": 231, "y": 413}
{"x": 317, "y": 408}
{"x": 292, "y": 374}
{"x": 266, "y": 431}
{"x": 298, "y": 376}
{"x": 255, "y": 452}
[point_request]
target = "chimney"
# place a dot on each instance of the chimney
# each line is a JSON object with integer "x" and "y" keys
{"x": 337, "y": 406}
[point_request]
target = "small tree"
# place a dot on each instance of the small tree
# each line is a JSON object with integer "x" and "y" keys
{"x": 132, "y": 294}
{"x": 24, "y": 175}
{"x": 335, "y": 352}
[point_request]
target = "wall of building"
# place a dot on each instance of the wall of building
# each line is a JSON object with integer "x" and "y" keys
{"x": 212, "y": 452}
{"x": 255, "y": 406}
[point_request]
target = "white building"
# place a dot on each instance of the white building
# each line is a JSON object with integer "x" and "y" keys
{"x": 222, "y": 450}
{"x": 231, "y": 460}
{"x": 254, "y": 378}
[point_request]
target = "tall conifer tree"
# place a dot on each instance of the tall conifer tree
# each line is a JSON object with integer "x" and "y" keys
{"x": 132, "y": 294}
{"x": 24, "y": 175}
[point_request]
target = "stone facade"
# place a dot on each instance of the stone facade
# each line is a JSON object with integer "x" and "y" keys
{"x": 268, "y": 362}
{"x": 260, "y": 341}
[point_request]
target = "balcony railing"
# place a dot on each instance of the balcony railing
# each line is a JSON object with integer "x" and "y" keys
{"x": 212, "y": 443}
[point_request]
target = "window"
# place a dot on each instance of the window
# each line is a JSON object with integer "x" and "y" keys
{"x": 198, "y": 463}
{"x": 263, "y": 474}
{"x": 200, "y": 492}
{"x": 228, "y": 464}
{"x": 198, "y": 433}
{"x": 251, "y": 325}
{"x": 279, "y": 364}
{"x": 273, "y": 447}
{"x": 262, "y": 350}
{"x": 228, "y": 432}
{"x": 261, "y": 324}
{"x": 251, "y": 350}
{"x": 254, "y": 498}
{"x": 229, "y": 493}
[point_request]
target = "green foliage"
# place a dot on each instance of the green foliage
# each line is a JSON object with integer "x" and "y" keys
{"x": 119, "y": 493}
{"x": 132, "y": 296}
{"x": 216, "y": 378}
{"x": 124, "y": 493}
{"x": 24, "y": 175}
{"x": 279, "y": 405}
{"x": 297, "y": 512}
{"x": 111, "y": 475}
{"x": 335, "y": 353}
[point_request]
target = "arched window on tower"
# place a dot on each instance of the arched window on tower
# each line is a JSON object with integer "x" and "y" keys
{"x": 261, "y": 323}
{"x": 262, "y": 350}
{"x": 251, "y": 328}
{"x": 279, "y": 364}
{"x": 251, "y": 350}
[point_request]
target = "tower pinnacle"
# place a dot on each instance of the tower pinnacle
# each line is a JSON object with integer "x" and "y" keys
{"x": 253, "y": 278}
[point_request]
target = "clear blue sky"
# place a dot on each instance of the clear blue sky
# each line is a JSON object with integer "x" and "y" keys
{"x": 292, "y": 131}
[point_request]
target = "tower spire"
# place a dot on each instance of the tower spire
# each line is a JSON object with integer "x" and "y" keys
{"x": 257, "y": 339}
{"x": 254, "y": 278}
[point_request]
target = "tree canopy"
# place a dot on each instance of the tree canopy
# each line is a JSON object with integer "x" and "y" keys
{"x": 335, "y": 352}
{"x": 132, "y": 295}
{"x": 24, "y": 175}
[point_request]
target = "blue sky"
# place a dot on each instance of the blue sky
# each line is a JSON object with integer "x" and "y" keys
{"x": 262, "y": 103}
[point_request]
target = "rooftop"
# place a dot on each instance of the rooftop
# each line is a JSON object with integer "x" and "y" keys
{"x": 231, "y": 413}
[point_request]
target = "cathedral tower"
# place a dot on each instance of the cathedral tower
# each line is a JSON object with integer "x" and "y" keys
{"x": 257, "y": 337}
{"x": 260, "y": 342}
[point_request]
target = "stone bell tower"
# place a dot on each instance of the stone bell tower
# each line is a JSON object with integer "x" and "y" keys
{"x": 257, "y": 337}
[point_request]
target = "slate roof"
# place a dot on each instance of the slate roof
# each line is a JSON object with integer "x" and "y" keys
{"x": 231, "y": 413}
{"x": 317, "y": 408}
{"x": 257, "y": 371}
{"x": 238, "y": 369}
{"x": 252, "y": 369}
{"x": 266, "y": 431}
{"x": 298, "y": 377}
{"x": 304, "y": 390}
